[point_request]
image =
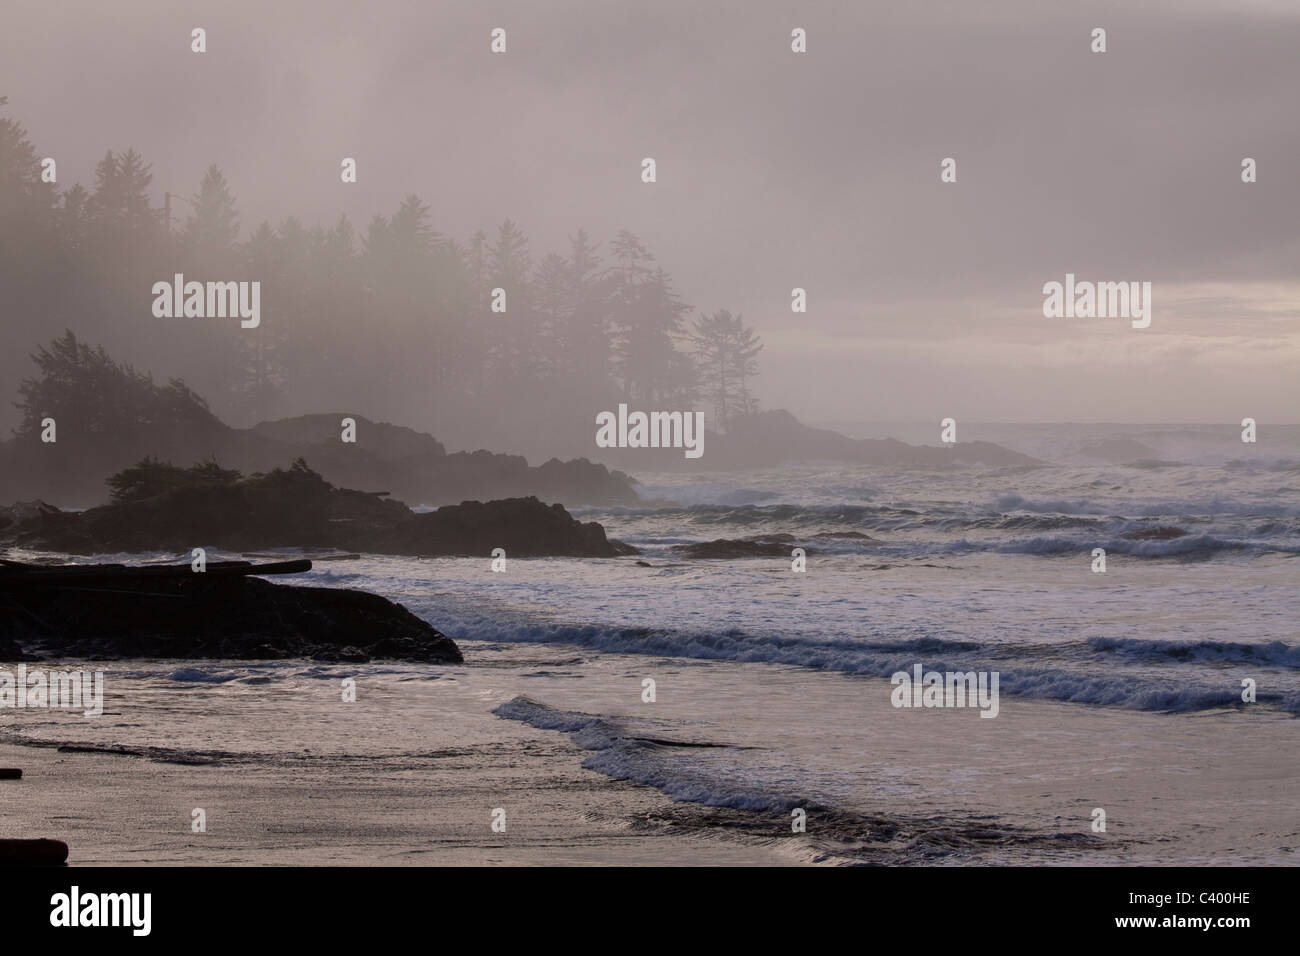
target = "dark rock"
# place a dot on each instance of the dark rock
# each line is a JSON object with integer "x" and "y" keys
{"x": 415, "y": 467}
{"x": 523, "y": 527}
{"x": 771, "y": 546}
{"x": 40, "y": 852}
{"x": 297, "y": 508}
{"x": 193, "y": 615}
{"x": 15, "y": 514}
{"x": 134, "y": 417}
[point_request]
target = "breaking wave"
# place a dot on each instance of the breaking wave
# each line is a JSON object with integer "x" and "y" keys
{"x": 1024, "y": 669}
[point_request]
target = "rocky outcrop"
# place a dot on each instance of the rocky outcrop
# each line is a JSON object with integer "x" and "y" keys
{"x": 295, "y": 508}
{"x": 769, "y": 438}
{"x": 764, "y": 545}
{"x": 736, "y": 548}
{"x": 415, "y": 467}
{"x": 110, "y": 416}
{"x": 522, "y": 527}
{"x": 1157, "y": 533}
{"x": 138, "y": 612}
{"x": 13, "y": 515}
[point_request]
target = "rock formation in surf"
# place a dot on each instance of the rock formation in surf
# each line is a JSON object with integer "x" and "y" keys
{"x": 160, "y": 507}
{"x": 105, "y": 612}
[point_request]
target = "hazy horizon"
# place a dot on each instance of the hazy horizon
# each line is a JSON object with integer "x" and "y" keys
{"x": 775, "y": 170}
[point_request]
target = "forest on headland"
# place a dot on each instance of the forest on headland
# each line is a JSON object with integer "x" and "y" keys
{"x": 393, "y": 323}
{"x": 86, "y": 417}
{"x": 392, "y": 320}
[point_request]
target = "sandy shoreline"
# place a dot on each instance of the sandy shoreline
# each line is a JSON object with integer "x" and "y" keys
{"x": 430, "y": 808}
{"x": 125, "y": 811}
{"x": 410, "y": 774}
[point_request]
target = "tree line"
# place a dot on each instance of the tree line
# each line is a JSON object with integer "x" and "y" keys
{"x": 395, "y": 318}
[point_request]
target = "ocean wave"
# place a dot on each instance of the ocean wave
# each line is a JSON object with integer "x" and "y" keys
{"x": 621, "y": 754}
{"x": 1213, "y": 507}
{"x": 1279, "y": 528}
{"x": 1028, "y": 522}
{"x": 1014, "y": 502}
{"x": 784, "y": 513}
{"x": 1272, "y": 654}
{"x": 1081, "y": 684}
{"x": 1190, "y": 545}
{"x": 707, "y": 493}
{"x": 1043, "y": 545}
{"x": 710, "y": 797}
{"x": 1013, "y": 514}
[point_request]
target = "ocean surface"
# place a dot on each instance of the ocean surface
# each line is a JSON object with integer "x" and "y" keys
{"x": 1119, "y": 691}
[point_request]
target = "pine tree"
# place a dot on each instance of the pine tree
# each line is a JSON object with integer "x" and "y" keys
{"x": 553, "y": 306}
{"x": 212, "y": 227}
{"x": 513, "y": 336}
{"x": 648, "y": 321}
{"x": 120, "y": 207}
{"x": 588, "y": 341}
{"x": 727, "y": 352}
{"x": 32, "y": 271}
{"x": 25, "y": 201}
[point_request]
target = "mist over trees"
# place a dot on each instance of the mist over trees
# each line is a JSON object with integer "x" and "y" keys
{"x": 726, "y": 352}
{"x": 394, "y": 321}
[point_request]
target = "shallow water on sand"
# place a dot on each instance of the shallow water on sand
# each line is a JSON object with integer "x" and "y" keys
{"x": 412, "y": 770}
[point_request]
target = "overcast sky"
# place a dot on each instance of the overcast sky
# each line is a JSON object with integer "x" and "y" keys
{"x": 775, "y": 170}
